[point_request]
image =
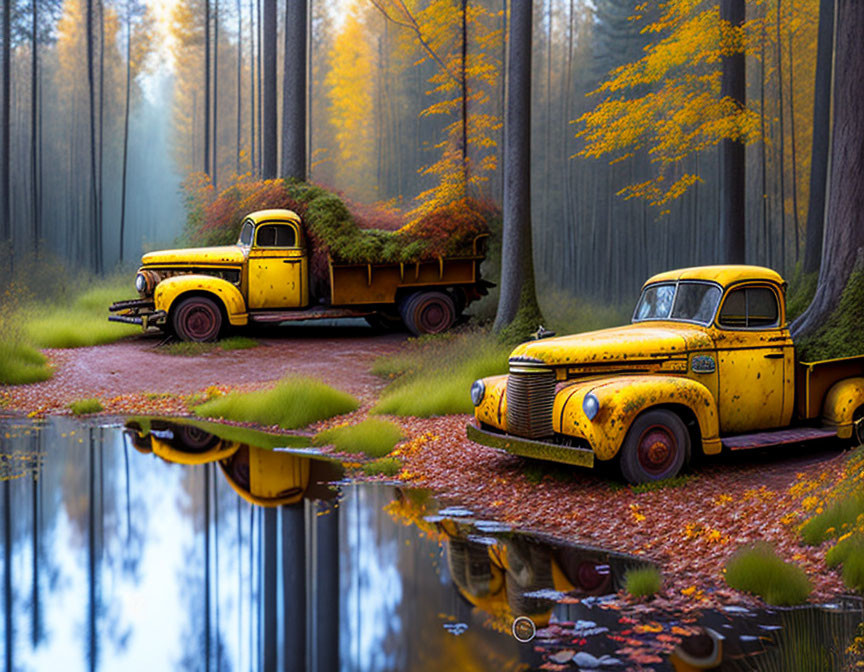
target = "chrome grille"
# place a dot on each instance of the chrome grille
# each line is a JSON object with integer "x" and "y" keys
{"x": 530, "y": 397}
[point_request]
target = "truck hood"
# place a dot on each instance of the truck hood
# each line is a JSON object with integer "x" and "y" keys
{"x": 654, "y": 341}
{"x": 226, "y": 254}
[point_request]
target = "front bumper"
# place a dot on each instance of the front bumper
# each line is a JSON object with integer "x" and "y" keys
{"x": 137, "y": 311}
{"x": 540, "y": 450}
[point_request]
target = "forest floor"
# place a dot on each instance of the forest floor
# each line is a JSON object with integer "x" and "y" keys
{"x": 688, "y": 530}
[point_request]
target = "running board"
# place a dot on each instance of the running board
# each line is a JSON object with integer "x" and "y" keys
{"x": 309, "y": 314}
{"x": 777, "y": 438}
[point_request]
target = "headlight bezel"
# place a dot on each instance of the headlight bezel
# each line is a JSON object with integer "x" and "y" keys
{"x": 141, "y": 283}
{"x": 478, "y": 392}
{"x": 590, "y": 406}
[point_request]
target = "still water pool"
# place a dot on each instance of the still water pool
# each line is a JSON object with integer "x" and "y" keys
{"x": 156, "y": 545}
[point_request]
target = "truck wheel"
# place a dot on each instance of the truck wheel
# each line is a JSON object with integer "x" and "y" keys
{"x": 655, "y": 447}
{"x": 197, "y": 319}
{"x": 428, "y": 313}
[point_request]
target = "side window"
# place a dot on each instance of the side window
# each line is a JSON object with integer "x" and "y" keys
{"x": 276, "y": 235}
{"x": 750, "y": 308}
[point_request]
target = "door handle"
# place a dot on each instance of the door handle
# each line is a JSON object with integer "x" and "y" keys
{"x": 291, "y": 261}
{"x": 774, "y": 355}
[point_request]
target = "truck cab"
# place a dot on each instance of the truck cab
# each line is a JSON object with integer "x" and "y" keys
{"x": 707, "y": 364}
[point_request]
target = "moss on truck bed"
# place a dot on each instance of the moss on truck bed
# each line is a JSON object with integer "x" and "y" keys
{"x": 215, "y": 219}
{"x": 841, "y": 335}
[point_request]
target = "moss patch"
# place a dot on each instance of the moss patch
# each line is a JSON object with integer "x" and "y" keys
{"x": 643, "y": 582}
{"x": 86, "y": 406}
{"x": 193, "y": 349}
{"x": 292, "y": 403}
{"x": 758, "y": 570}
{"x": 383, "y": 466}
{"x": 21, "y": 364}
{"x": 373, "y": 437}
{"x": 432, "y": 375}
{"x": 841, "y": 335}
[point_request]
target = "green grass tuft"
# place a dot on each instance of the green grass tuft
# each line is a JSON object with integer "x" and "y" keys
{"x": 86, "y": 406}
{"x": 193, "y": 349}
{"x": 844, "y": 510}
{"x": 650, "y": 486}
{"x": 21, "y": 364}
{"x": 82, "y": 320}
{"x": 292, "y": 403}
{"x": 386, "y": 466}
{"x": 757, "y": 569}
{"x": 643, "y": 581}
{"x": 373, "y": 437}
{"x": 433, "y": 375}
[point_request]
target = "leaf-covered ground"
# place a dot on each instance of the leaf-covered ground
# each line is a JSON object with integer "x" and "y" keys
{"x": 689, "y": 530}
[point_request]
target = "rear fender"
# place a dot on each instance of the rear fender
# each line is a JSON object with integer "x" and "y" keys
{"x": 841, "y": 402}
{"x": 623, "y": 398}
{"x": 227, "y": 295}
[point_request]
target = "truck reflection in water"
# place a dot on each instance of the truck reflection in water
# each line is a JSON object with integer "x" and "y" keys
{"x": 219, "y": 548}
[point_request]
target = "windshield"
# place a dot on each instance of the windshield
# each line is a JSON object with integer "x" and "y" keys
{"x": 245, "y": 238}
{"x": 684, "y": 301}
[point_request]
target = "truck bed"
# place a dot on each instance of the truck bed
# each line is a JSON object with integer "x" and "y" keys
{"x": 358, "y": 284}
{"x": 814, "y": 379}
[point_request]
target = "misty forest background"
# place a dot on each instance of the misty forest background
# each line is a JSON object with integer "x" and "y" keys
{"x": 98, "y": 156}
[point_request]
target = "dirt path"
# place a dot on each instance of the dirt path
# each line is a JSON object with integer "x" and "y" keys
{"x": 135, "y": 376}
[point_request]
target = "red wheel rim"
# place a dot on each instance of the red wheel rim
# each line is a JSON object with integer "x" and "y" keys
{"x": 200, "y": 322}
{"x": 433, "y": 316}
{"x": 657, "y": 449}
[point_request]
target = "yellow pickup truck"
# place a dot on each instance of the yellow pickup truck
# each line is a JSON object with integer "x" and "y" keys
{"x": 265, "y": 278}
{"x": 707, "y": 364}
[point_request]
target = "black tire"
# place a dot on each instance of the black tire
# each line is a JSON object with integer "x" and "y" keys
{"x": 197, "y": 319}
{"x": 656, "y": 447}
{"x": 428, "y": 313}
{"x": 194, "y": 439}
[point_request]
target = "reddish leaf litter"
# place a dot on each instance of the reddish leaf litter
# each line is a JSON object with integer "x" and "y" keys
{"x": 689, "y": 531}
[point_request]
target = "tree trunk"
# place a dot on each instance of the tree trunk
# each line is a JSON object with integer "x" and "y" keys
{"x": 269, "y": 144}
{"x": 821, "y": 138}
{"x": 7, "y": 81}
{"x": 733, "y": 159}
{"x": 782, "y": 130}
{"x": 463, "y": 84}
{"x": 517, "y": 305}
{"x": 215, "y": 92}
{"x": 34, "y": 125}
{"x": 252, "y": 107}
{"x": 91, "y": 113}
{"x": 126, "y": 129}
{"x": 207, "y": 87}
{"x": 844, "y": 235}
{"x": 294, "y": 91}
{"x": 239, "y": 86}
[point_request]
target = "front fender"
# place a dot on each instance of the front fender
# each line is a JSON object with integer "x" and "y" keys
{"x": 170, "y": 289}
{"x": 841, "y": 402}
{"x": 622, "y": 399}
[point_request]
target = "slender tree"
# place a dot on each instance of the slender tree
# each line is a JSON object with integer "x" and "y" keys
{"x": 5, "y": 193}
{"x": 733, "y": 156}
{"x": 207, "y": 87}
{"x": 844, "y": 236}
{"x": 239, "y": 85}
{"x": 269, "y": 146}
{"x": 294, "y": 91}
{"x": 91, "y": 112}
{"x": 821, "y": 138}
{"x": 34, "y": 127}
{"x": 517, "y": 305}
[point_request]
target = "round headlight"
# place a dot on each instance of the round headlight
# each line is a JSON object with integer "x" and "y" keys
{"x": 590, "y": 405}
{"x": 478, "y": 391}
{"x": 140, "y": 282}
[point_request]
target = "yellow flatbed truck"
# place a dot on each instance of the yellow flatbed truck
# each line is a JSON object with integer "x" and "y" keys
{"x": 708, "y": 364}
{"x": 265, "y": 278}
